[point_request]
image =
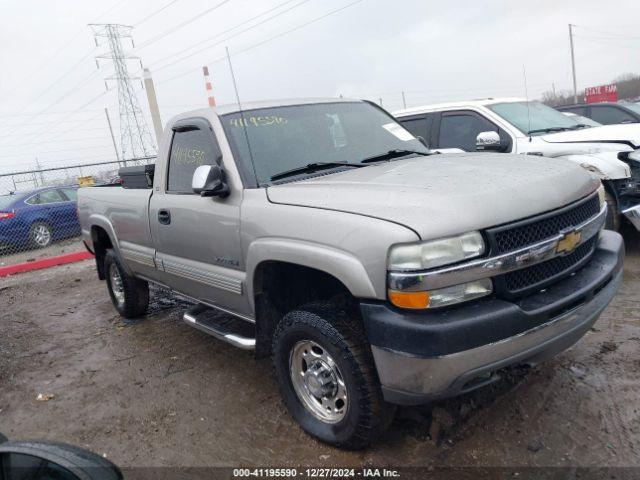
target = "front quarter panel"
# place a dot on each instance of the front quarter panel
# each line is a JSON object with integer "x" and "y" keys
{"x": 353, "y": 248}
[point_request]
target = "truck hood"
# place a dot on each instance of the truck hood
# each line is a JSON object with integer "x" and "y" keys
{"x": 445, "y": 194}
{"x": 607, "y": 133}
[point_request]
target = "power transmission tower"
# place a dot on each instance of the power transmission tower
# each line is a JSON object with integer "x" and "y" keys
{"x": 136, "y": 140}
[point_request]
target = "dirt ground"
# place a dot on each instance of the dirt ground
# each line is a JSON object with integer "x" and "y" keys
{"x": 156, "y": 392}
{"x": 13, "y": 255}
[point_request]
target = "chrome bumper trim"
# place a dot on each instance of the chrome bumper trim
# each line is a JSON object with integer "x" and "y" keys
{"x": 499, "y": 265}
{"x": 633, "y": 215}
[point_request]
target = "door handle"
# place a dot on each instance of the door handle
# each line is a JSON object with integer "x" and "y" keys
{"x": 164, "y": 217}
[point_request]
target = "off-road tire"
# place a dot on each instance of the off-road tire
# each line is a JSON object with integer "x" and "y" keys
{"x": 612, "y": 221}
{"x": 136, "y": 291}
{"x": 341, "y": 334}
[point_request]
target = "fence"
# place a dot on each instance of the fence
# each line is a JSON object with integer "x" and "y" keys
{"x": 38, "y": 216}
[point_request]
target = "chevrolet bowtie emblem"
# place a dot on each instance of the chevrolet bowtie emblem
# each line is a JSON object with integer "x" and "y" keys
{"x": 569, "y": 242}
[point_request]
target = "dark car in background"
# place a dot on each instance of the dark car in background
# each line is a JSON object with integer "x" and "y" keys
{"x": 38, "y": 217}
{"x": 606, "y": 113}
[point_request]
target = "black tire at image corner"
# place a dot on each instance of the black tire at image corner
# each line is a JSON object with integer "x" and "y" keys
{"x": 367, "y": 415}
{"x": 136, "y": 291}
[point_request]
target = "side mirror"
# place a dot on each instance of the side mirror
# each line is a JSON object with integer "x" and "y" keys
{"x": 489, "y": 141}
{"x": 43, "y": 460}
{"x": 210, "y": 181}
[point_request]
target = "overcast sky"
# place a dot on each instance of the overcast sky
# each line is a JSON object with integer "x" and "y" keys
{"x": 53, "y": 97}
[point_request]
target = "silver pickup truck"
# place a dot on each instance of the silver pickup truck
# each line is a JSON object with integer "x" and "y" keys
{"x": 374, "y": 272}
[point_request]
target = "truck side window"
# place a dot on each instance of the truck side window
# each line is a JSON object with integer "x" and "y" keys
{"x": 608, "y": 115}
{"x": 460, "y": 130}
{"x": 189, "y": 150}
{"x": 416, "y": 125}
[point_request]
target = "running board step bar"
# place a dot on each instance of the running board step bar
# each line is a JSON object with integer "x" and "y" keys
{"x": 221, "y": 326}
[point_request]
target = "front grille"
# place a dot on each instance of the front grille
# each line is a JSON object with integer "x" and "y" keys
{"x": 511, "y": 237}
{"x": 538, "y": 275}
{"x": 530, "y": 231}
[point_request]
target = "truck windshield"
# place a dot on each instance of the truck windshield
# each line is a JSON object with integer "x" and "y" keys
{"x": 283, "y": 139}
{"x": 632, "y": 106}
{"x": 537, "y": 119}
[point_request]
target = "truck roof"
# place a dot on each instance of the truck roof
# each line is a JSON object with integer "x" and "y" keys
{"x": 461, "y": 104}
{"x": 233, "y": 107}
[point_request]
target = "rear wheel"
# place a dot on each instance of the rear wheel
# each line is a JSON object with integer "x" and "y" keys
{"x": 327, "y": 377}
{"x": 128, "y": 294}
{"x": 613, "y": 216}
{"x": 40, "y": 235}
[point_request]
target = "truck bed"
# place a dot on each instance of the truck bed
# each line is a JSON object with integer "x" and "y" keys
{"x": 126, "y": 209}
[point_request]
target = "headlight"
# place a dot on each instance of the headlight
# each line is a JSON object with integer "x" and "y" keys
{"x": 436, "y": 253}
{"x": 432, "y": 254}
{"x": 601, "y": 195}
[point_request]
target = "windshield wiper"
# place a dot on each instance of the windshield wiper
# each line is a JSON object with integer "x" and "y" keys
{"x": 392, "y": 154}
{"x": 313, "y": 167}
{"x": 548, "y": 130}
{"x": 578, "y": 126}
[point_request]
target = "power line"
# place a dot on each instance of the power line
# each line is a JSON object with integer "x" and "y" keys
{"x": 14, "y": 155}
{"x": 50, "y": 131}
{"x": 206, "y": 40}
{"x": 270, "y": 39}
{"x": 73, "y": 90}
{"x": 28, "y": 144}
{"x": 64, "y": 47}
{"x": 180, "y": 25}
{"x": 109, "y": 10}
{"x": 153, "y": 14}
{"x": 231, "y": 36}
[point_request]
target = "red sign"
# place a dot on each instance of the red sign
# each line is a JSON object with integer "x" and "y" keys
{"x": 601, "y": 93}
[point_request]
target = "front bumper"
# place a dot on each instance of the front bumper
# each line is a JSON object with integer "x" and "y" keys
{"x": 421, "y": 356}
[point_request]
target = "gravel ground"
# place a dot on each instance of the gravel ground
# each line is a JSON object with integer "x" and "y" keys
{"x": 156, "y": 392}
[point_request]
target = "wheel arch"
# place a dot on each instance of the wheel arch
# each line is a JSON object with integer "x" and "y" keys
{"x": 284, "y": 274}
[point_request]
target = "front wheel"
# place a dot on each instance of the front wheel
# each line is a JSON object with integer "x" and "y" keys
{"x": 612, "y": 221}
{"x": 128, "y": 294}
{"x": 327, "y": 377}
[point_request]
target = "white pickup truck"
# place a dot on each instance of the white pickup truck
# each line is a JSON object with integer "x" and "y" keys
{"x": 513, "y": 125}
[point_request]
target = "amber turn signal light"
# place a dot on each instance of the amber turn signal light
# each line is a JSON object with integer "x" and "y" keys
{"x": 413, "y": 300}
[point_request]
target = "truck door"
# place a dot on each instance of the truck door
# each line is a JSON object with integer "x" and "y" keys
{"x": 197, "y": 238}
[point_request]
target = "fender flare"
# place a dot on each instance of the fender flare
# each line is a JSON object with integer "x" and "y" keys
{"x": 342, "y": 265}
{"x": 97, "y": 220}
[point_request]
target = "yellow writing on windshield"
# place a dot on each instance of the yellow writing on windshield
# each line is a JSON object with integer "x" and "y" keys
{"x": 259, "y": 121}
{"x": 188, "y": 156}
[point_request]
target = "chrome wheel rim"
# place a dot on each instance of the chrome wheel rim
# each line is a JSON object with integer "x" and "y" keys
{"x": 116, "y": 284}
{"x": 41, "y": 235}
{"x": 318, "y": 382}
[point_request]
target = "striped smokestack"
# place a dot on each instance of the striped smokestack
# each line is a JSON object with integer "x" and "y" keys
{"x": 208, "y": 87}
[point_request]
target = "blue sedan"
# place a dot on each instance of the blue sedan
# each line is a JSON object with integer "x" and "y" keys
{"x": 38, "y": 217}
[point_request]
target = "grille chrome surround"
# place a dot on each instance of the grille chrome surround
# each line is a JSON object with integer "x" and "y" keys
{"x": 501, "y": 264}
{"x": 513, "y": 236}
{"x": 520, "y": 282}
